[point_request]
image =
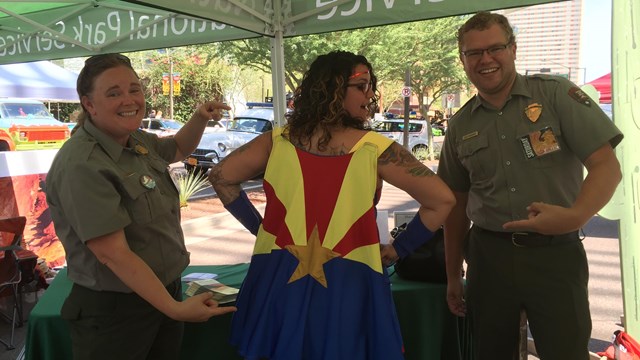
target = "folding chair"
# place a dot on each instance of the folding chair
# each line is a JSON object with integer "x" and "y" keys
{"x": 10, "y": 274}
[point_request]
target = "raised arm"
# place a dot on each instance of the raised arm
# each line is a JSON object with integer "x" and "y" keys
{"x": 245, "y": 163}
{"x": 400, "y": 168}
{"x": 190, "y": 134}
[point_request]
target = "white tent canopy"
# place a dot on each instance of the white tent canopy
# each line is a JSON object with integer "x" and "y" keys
{"x": 41, "y": 80}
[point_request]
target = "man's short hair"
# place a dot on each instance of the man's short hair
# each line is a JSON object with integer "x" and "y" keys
{"x": 482, "y": 21}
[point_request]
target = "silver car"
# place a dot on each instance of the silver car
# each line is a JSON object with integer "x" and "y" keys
{"x": 394, "y": 129}
{"x": 214, "y": 146}
{"x": 161, "y": 127}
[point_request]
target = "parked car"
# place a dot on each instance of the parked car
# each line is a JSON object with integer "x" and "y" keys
{"x": 216, "y": 126}
{"x": 161, "y": 127}
{"x": 27, "y": 125}
{"x": 394, "y": 129}
{"x": 214, "y": 146}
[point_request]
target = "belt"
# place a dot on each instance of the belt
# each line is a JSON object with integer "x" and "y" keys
{"x": 532, "y": 239}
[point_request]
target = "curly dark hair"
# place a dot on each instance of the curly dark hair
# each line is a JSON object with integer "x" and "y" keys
{"x": 318, "y": 101}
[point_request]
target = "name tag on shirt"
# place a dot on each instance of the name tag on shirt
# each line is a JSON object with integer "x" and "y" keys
{"x": 539, "y": 143}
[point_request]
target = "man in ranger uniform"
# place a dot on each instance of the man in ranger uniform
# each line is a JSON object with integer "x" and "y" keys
{"x": 513, "y": 156}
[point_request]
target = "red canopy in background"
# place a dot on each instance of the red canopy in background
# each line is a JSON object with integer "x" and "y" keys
{"x": 603, "y": 85}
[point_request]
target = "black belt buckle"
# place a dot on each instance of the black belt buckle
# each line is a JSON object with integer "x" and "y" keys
{"x": 524, "y": 239}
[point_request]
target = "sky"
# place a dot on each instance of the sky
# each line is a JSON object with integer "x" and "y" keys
{"x": 595, "y": 44}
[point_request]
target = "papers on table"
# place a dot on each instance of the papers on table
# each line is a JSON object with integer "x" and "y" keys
{"x": 221, "y": 292}
{"x": 198, "y": 276}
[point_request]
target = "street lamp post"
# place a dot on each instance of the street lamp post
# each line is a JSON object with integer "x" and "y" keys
{"x": 584, "y": 75}
{"x": 559, "y": 64}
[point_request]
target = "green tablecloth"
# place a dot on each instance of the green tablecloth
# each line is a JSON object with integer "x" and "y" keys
{"x": 429, "y": 330}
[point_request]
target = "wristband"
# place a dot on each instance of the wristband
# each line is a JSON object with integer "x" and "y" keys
{"x": 243, "y": 210}
{"x": 412, "y": 238}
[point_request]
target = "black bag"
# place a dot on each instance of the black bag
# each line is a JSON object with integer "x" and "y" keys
{"x": 426, "y": 263}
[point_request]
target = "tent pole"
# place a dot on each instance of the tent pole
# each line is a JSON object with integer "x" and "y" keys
{"x": 277, "y": 67}
{"x": 170, "y": 84}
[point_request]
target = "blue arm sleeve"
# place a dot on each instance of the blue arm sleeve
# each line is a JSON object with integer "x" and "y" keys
{"x": 415, "y": 235}
{"x": 243, "y": 210}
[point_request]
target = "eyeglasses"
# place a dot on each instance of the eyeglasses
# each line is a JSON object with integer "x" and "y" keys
{"x": 364, "y": 87}
{"x": 476, "y": 54}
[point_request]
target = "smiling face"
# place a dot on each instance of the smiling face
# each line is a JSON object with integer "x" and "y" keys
{"x": 492, "y": 74}
{"x": 116, "y": 103}
{"x": 359, "y": 93}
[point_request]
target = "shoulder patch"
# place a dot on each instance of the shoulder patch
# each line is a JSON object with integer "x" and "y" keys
{"x": 580, "y": 96}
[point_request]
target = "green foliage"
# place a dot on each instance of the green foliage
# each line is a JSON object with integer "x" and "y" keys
{"x": 202, "y": 78}
{"x": 240, "y": 70}
{"x": 189, "y": 184}
{"x": 65, "y": 111}
{"x": 421, "y": 153}
{"x": 428, "y": 48}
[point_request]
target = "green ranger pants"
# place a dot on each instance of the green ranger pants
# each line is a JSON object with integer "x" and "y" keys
{"x": 549, "y": 282}
{"x": 117, "y": 326}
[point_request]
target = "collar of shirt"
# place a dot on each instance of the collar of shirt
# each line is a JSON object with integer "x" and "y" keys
{"x": 110, "y": 146}
{"x": 519, "y": 88}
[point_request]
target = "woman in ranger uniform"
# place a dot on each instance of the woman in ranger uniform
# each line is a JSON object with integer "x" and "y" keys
{"x": 116, "y": 212}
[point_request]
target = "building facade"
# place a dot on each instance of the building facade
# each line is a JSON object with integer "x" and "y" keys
{"x": 548, "y": 38}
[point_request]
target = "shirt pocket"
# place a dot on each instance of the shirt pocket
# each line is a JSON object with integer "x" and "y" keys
{"x": 161, "y": 167}
{"x": 477, "y": 158}
{"x": 550, "y": 159}
{"x": 141, "y": 202}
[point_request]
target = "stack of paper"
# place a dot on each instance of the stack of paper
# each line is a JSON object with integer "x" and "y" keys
{"x": 198, "y": 276}
{"x": 221, "y": 292}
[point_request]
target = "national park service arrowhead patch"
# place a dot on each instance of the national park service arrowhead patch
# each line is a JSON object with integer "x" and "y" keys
{"x": 139, "y": 149}
{"x": 580, "y": 96}
{"x": 533, "y": 112}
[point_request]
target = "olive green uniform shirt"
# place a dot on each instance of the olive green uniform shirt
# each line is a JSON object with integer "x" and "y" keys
{"x": 95, "y": 187}
{"x": 530, "y": 150}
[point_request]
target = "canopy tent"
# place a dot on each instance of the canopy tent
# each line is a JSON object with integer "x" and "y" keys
{"x": 603, "y": 85}
{"x": 40, "y": 29}
{"x": 41, "y": 80}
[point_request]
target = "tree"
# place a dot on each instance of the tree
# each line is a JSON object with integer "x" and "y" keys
{"x": 430, "y": 50}
{"x": 427, "y": 48}
{"x": 299, "y": 53}
{"x": 202, "y": 78}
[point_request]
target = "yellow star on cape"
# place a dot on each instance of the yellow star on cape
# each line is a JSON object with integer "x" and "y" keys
{"x": 311, "y": 258}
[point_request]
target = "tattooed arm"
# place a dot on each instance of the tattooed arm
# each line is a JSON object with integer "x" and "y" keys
{"x": 400, "y": 168}
{"x": 243, "y": 164}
